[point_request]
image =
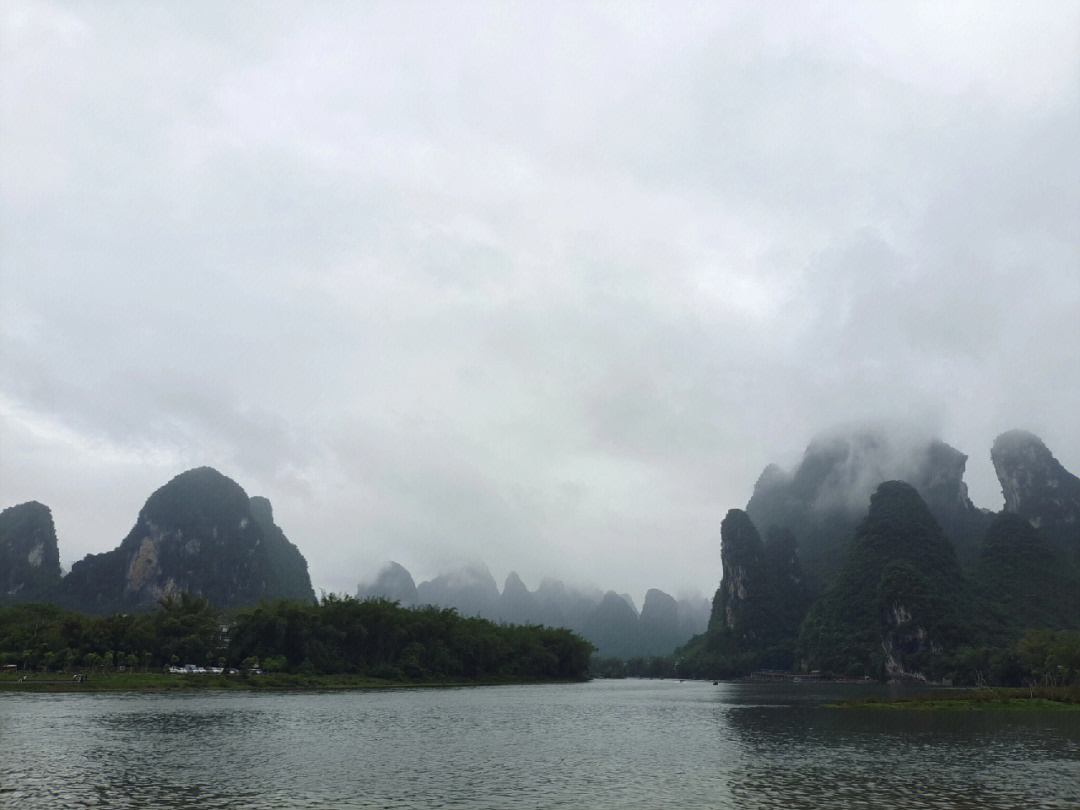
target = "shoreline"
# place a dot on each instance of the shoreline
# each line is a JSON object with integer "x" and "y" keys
{"x": 1041, "y": 699}
{"x": 279, "y": 682}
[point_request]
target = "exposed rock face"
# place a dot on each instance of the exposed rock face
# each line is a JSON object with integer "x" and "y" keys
{"x": 939, "y": 480}
{"x": 823, "y": 501}
{"x": 900, "y": 596}
{"x": 1038, "y": 488}
{"x": 393, "y": 583}
{"x": 762, "y": 597}
{"x": 1027, "y": 578}
{"x": 471, "y": 590}
{"x": 741, "y": 608}
{"x": 29, "y": 556}
{"x": 199, "y": 534}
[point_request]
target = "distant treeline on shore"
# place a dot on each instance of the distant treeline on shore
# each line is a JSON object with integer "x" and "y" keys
{"x": 337, "y": 635}
{"x": 1037, "y": 658}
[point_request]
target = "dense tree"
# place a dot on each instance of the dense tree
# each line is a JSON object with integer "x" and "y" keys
{"x": 337, "y": 635}
{"x": 1026, "y": 580}
{"x": 900, "y": 601}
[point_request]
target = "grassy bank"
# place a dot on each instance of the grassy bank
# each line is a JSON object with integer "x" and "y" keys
{"x": 1045, "y": 698}
{"x": 158, "y": 682}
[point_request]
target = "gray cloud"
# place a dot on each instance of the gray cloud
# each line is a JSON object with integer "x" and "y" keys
{"x": 545, "y": 285}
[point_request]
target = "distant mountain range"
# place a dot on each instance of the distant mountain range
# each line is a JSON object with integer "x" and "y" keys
{"x": 902, "y": 570}
{"x": 610, "y": 621}
{"x": 869, "y": 557}
{"x": 202, "y": 534}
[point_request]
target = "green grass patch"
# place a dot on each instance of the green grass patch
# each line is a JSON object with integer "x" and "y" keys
{"x": 1048, "y": 698}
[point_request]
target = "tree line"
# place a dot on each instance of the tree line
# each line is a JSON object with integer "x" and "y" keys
{"x": 1037, "y": 658}
{"x": 336, "y": 635}
{"x": 1033, "y": 658}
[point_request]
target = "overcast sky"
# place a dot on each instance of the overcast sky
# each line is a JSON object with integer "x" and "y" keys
{"x": 546, "y": 285}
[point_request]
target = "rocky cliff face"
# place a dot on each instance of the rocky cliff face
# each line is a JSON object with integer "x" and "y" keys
{"x": 763, "y": 596}
{"x": 828, "y": 494}
{"x": 393, "y": 583}
{"x": 199, "y": 534}
{"x": 29, "y": 556}
{"x": 939, "y": 480}
{"x": 1038, "y": 488}
{"x": 899, "y": 599}
{"x": 741, "y": 607}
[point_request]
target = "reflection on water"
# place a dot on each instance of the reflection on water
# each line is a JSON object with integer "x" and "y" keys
{"x": 909, "y": 758}
{"x": 632, "y": 744}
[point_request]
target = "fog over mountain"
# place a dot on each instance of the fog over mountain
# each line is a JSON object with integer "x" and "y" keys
{"x": 610, "y": 621}
{"x": 888, "y": 596}
{"x": 829, "y": 492}
{"x": 542, "y": 285}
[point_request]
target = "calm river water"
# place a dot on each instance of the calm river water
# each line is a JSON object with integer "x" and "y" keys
{"x": 605, "y": 744}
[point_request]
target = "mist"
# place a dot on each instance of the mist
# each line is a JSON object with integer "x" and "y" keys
{"x": 868, "y": 455}
{"x": 542, "y": 286}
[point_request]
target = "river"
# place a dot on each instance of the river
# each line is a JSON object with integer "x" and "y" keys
{"x": 604, "y": 744}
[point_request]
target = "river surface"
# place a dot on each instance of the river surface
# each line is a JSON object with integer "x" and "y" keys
{"x": 604, "y": 744}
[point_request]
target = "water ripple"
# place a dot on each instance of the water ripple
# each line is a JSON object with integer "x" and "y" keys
{"x": 604, "y": 745}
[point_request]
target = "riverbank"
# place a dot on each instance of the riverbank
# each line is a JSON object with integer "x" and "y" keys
{"x": 159, "y": 682}
{"x": 1047, "y": 698}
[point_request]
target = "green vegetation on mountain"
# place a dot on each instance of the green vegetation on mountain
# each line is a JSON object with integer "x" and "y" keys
{"x": 336, "y": 636}
{"x": 1026, "y": 580}
{"x": 742, "y": 614}
{"x": 900, "y": 600}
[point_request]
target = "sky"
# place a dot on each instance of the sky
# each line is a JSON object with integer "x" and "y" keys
{"x": 543, "y": 284}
